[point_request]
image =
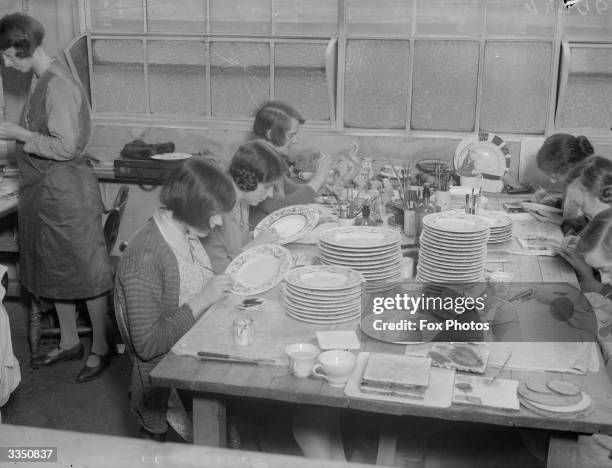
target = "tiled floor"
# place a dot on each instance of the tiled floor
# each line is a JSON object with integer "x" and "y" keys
{"x": 50, "y": 397}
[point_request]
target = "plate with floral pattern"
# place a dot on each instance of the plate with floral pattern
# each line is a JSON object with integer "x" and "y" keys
{"x": 291, "y": 222}
{"x": 259, "y": 269}
{"x": 482, "y": 153}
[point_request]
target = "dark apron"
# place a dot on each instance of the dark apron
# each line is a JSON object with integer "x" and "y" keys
{"x": 62, "y": 249}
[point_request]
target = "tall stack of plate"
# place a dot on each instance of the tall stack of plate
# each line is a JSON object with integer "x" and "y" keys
{"x": 500, "y": 225}
{"x": 323, "y": 294}
{"x": 375, "y": 252}
{"x": 453, "y": 248}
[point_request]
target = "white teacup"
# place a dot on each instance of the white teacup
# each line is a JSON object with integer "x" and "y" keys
{"x": 337, "y": 366}
{"x": 500, "y": 282}
{"x": 301, "y": 358}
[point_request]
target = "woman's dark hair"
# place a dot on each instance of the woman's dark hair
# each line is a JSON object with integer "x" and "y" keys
{"x": 275, "y": 117}
{"x": 561, "y": 151}
{"x": 256, "y": 161}
{"x": 22, "y": 32}
{"x": 197, "y": 190}
{"x": 597, "y": 233}
{"x": 594, "y": 175}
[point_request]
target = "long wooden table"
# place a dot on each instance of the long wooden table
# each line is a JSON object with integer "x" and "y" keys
{"x": 213, "y": 382}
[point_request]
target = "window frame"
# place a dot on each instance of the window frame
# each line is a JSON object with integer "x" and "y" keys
{"x": 337, "y": 105}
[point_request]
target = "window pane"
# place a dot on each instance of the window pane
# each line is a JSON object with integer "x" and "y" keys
{"x": 532, "y": 17}
{"x": 590, "y": 19}
{"x": 444, "y": 85}
{"x": 380, "y": 18}
{"x": 177, "y": 77}
{"x": 316, "y": 17}
{"x": 240, "y": 77}
{"x": 461, "y": 17}
{"x": 177, "y": 15}
{"x": 241, "y": 16}
{"x": 516, "y": 86}
{"x": 118, "y": 76}
{"x": 117, "y": 15}
{"x": 588, "y": 98}
{"x": 376, "y": 83}
{"x": 299, "y": 78}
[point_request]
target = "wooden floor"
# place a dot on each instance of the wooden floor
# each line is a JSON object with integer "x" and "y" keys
{"x": 50, "y": 397}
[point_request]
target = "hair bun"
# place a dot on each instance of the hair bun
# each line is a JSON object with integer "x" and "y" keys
{"x": 585, "y": 145}
{"x": 245, "y": 180}
{"x": 606, "y": 194}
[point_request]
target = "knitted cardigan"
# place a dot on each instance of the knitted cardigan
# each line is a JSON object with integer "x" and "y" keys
{"x": 147, "y": 290}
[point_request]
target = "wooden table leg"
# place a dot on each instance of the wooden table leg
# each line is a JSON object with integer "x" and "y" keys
{"x": 562, "y": 450}
{"x": 387, "y": 442}
{"x": 209, "y": 422}
{"x": 34, "y": 323}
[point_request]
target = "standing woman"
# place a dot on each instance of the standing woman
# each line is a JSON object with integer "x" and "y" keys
{"x": 62, "y": 252}
{"x": 278, "y": 123}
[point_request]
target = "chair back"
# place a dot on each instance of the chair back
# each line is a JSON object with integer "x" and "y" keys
{"x": 124, "y": 329}
{"x": 113, "y": 219}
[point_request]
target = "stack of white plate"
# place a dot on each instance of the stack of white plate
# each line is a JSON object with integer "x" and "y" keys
{"x": 500, "y": 225}
{"x": 453, "y": 248}
{"x": 375, "y": 252}
{"x": 323, "y": 294}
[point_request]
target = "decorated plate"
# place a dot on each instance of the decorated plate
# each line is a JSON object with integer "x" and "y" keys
{"x": 259, "y": 269}
{"x": 451, "y": 221}
{"x": 171, "y": 156}
{"x": 291, "y": 222}
{"x": 359, "y": 237}
{"x": 322, "y": 277}
{"x": 482, "y": 153}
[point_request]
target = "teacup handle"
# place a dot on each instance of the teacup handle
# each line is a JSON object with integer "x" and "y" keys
{"x": 315, "y": 370}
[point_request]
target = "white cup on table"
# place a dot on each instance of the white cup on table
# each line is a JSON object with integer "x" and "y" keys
{"x": 301, "y": 358}
{"x": 335, "y": 366}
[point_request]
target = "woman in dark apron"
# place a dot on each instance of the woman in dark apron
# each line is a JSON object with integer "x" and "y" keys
{"x": 62, "y": 252}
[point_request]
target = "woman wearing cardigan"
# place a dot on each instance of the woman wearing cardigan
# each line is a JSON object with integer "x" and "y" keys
{"x": 164, "y": 282}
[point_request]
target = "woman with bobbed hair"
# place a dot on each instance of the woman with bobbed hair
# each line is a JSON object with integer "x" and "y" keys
{"x": 278, "y": 123}
{"x": 560, "y": 153}
{"x": 62, "y": 252}
{"x": 589, "y": 188}
{"x": 164, "y": 282}
{"x": 254, "y": 170}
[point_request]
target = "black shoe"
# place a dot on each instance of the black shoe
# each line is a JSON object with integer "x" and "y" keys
{"x": 73, "y": 354}
{"x": 90, "y": 373}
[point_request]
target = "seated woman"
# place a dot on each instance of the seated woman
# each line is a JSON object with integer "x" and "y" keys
{"x": 589, "y": 188}
{"x": 557, "y": 157}
{"x": 254, "y": 170}
{"x": 278, "y": 123}
{"x": 164, "y": 280}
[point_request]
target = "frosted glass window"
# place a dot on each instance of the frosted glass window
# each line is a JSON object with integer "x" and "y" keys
{"x": 380, "y": 18}
{"x": 444, "y": 85}
{"x": 376, "y": 83}
{"x": 588, "y": 97}
{"x": 177, "y": 15}
{"x": 529, "y": 17}
{"x": 300, "y": 78}
{"x": 240, "y": 77}
{"x": 118, "y": 76}
{"x": 516, "y": 86}
{"x": 457, "y": 17}
{"x": 241, "y": 16}
{"x": 314, "y": 17}
{"x": 177, "y": 77}
{"x": 590, "y": 19}
{"x": 116, "y": 15}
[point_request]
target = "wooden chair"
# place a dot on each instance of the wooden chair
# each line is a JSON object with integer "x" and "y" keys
{"x": 111, "y": 231}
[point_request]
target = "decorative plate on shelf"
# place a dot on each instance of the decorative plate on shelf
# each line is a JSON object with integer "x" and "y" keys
{"x": 171, "y": 156}
{"x": 483, "y": 154}
{"x": 259, "y": 269}
{"x": 291, "y": 222}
